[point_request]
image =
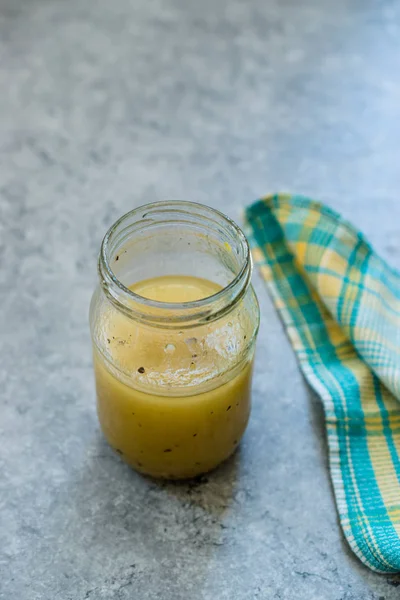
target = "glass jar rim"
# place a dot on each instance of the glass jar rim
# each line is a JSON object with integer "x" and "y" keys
{"x": 154, "y": 311}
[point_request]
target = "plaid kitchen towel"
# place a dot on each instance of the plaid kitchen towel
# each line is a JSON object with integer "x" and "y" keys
{"x": 340, "y": 303}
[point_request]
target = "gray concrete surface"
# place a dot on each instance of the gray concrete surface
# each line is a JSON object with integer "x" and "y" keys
{"x": 106, "y": 105}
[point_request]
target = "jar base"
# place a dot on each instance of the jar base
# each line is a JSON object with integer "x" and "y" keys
{"x": 179, "y": 477}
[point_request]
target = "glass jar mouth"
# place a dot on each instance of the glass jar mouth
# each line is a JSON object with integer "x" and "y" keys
{"x": 173, "y": 313}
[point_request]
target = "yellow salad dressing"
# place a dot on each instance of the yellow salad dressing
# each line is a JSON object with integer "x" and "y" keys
{"x": 159, "y": 427}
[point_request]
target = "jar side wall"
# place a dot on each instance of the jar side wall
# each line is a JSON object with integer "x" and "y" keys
{"x": 173, "y": 437}
{"x": 174, "y": 362}
{"x": 178, "y": 251}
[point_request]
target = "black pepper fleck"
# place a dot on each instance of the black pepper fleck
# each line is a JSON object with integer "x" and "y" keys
{"x": 244, "y": 337}
{"x": 168, "y": 450}
{"x": 108, "y": 341}
{"x": 141, "y": 370}
{"x": 119, "y": 451}
{"x": 116, "y": 258}
{"x": 194, "y": 355}
{"x": 194, "y": 435}
{"x": 229, "y": 408}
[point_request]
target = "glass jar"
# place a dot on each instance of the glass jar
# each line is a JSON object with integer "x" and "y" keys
{"x": 174, "y": 324}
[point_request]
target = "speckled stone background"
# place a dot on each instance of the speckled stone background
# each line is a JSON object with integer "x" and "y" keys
{"x": 107, "y": 105}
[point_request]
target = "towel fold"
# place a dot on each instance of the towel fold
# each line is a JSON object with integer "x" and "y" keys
{"x": 340, "y": 304}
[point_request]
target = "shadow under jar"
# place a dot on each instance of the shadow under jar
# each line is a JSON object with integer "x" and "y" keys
{"x": 174, "y": 323}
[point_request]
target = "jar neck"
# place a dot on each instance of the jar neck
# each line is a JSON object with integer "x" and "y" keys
{"x": 174, "y": 238}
